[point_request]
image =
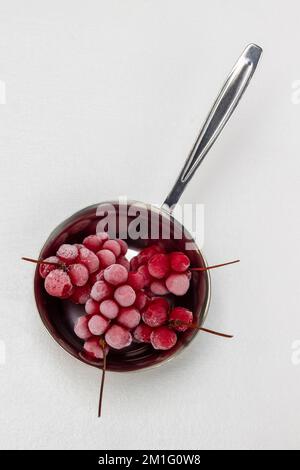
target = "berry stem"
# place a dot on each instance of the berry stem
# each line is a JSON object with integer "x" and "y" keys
{"x": 197, "y": 327}
{"x": 103, "y": 346}
{"x": 39, "y": 261}
{"x": 214, "y": 332}
{"x": 215, "y": 266}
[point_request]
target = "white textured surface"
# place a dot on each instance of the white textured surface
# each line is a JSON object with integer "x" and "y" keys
{"x": 98, "y": 92}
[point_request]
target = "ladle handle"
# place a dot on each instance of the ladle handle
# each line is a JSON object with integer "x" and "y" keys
{"x": 221, "y": 111}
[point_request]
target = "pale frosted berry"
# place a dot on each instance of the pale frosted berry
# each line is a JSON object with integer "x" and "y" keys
{"x": 98, "y": 324}
{"x": 129, "y": 317}
{"x": 81, "y": 294}
{"x": 118, "y": 337}
{"x": 100, "y": 291}
{"x": 178, "y": 284}
{"x": 78, "y": 273}
{"x": 89, "y": 259}
{"x": 156, "y": 313}
{"x": 142, "y": 333}
{"x": 67, "y": 253}
{"x": 158, "y": 288}
{"x": 179, "y": 261}
{"x": 141, "y": 300}
{"x": 58, "y": 284}
{"x": 103, "y": 236}
{"x": 44, "y": 269}
{"x": 124, "y": 262}
{"x": 109, "y": 308}
{"x": 91, "y": 307}
{"x": 163, "y": 338}
{"x": 144, "y": 271}
{"x": 180, "y": 314}
{"x": 115, "y": 274}
{"x": 125, "y": 296}
{"x": 159, "y": 265}
{"x": 81, "y": 327}
{"x": 93, "y": 348}
{"x": 123, "y": 245}
{"x": 113, "y": 246}
{"x": 136, "y": 280}
{"x": 93, "y": 243}
{"x": 106, "y": 258}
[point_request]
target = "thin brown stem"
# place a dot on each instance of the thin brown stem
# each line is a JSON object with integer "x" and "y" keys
{"x": 215, "y": 333}
{"x": 215, "y": 266}
{"x": 40, "y": 261}
{"x": 103, "y": 346}
{"x": 197, "y": 327}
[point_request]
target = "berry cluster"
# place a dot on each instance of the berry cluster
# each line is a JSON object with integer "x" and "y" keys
{"x": 164, "y": 273}
{"x": 160, "y": 324}
{"x": 123, "y": 301}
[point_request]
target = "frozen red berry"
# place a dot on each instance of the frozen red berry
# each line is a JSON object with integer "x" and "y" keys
{"x": 97, "y": 276}
{"x": 98, "y": 324}
{"x": 118, "y": 337}
{"x": 145, "y": 255}
{"x": 78, "y": 245}
{"x": 109, "y": 308}
{"x": 129, "y": 317}
{"x": 142, "y": 333}
{"x": 158, "y": 288}
{"x": 144, "y": 271}
{"x": 44, "y": 269}
{"x": 115, "y": 274}
{"x": 178, "y": 284}
{"x": 136, "y": 280}
{"x": 91, "y": 307}
{"x": 89, "y": 259}
{"x": 106, "y": 258}
{"x": 124, "y": 262}
{"x": 81, "y": 327}
{"x": 94, "y": 349}
{"x": 125, "y": 296}
{"x": 134, "y": 263}
{"x": 141, "y": 300}
{"x": 93, "y": 243}
{"x": 159, "y": 265}
{"x": 163, "y": 338}
{"x": 81, "y": 294}
{"x": 78, "y": 273}
{"x": 101, "y": 291}
{"x": 123, "y": 245}
{"x": 67, "y": 253}
{"x": 179, "y": 261}
{"x": 58, "y": 284}
{"x": 156, "y": 313}
{"x": 178, "y": 315}
{"x": 113, "y": 246}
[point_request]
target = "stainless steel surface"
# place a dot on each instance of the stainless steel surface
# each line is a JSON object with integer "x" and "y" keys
{"x": 221, "y": 111}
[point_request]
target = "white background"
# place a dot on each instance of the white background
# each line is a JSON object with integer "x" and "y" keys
{"x": 105, "y": 98}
